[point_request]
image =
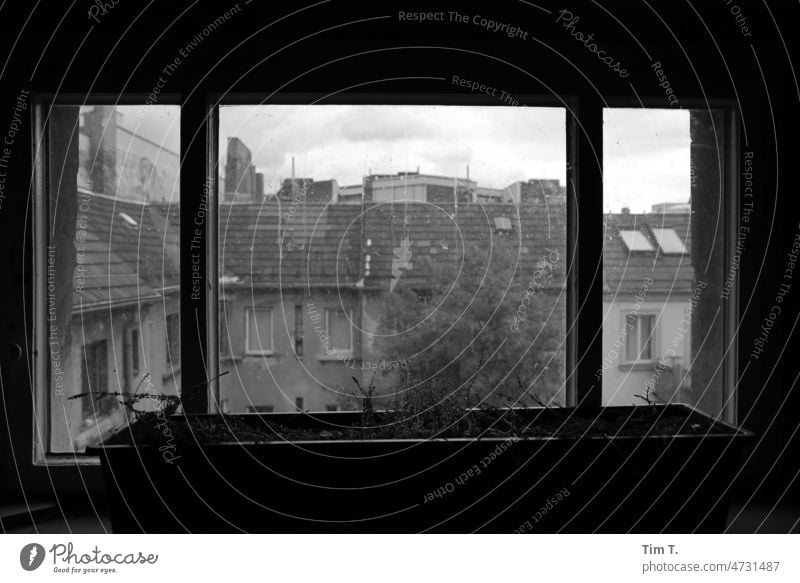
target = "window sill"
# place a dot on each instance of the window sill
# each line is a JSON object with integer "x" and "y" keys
{"x": 344, "y": 355}
{"x": 649, "y": 366}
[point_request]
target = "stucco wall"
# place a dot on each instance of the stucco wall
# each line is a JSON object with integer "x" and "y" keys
{"x": 672, "y": 335}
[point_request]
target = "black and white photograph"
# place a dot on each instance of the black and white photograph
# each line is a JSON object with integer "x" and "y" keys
{"x": 295, "y": 271}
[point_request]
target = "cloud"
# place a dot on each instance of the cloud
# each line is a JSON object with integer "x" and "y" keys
{"x": 501, "y": 144}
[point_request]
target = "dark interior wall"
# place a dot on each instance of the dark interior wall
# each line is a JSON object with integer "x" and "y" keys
{"x": 336, "y": 46}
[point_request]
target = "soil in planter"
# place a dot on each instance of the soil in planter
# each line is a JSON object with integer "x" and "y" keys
{"x": 441, "y": 423}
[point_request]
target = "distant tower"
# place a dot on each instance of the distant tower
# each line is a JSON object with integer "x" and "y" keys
{"x": 258, "y": 195}
{"x": 240, "y": 176}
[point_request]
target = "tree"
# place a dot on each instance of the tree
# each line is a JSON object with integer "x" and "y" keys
{"x": 485, "y": 326}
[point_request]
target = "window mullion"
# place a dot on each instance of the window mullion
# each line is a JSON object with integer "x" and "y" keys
{"x": 585, "y": 184}
{"x": 195, "y": 247}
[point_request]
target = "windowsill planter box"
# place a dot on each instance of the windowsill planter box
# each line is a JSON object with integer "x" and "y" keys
{"x": 604, "y": 482}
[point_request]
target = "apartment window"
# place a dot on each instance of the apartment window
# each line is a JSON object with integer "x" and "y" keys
{"x": 223, "y": 330}
{"x": 259, "y": 331}
{"x": 298, "y": 330}
{"x": 639, "y": 339}
{"x": 109, "y": 226}
{"x": 94, "y": 382}
{"x": 173, "y": 340}
{"x": 130, "y": 358}
{"x": 340, "y": 330}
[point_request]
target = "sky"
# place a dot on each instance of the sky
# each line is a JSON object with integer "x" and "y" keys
{"x": 646, "y": 151}
{"x": 158, "y": 123}
{"x": 645, "y": 158}
{"x": 500, "y": 144}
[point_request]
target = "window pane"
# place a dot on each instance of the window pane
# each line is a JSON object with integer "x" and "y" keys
{"x": 259, "y": 330}
{"x": 635, "y": 240}
{"x": 663, "y": 171}
{"x": 669, "y": 241}
{"x": 425, "y": 247}
{"x": 112, "y": 265}
{"x": 339, "y": 330}
{"x": 646, "y": 337}
{"x": 632, "y": 338}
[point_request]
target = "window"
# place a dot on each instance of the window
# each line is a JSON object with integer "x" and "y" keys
{"x": 639, "y": 338}
{"x": 635, "y": 240}
{"x": 298, "y": 330}
{"x": 418, "y": 281}
{"x": 130, "y": 358}
{"x": 109, "y": 216}
{"x": 339, "y": 330}
{"x": 669, "y": 241}
{"x": 173, "y": 341}
{"x": 665, "y": 173}
{"x": 94, "y": 381}
{"x": 223, "y": 330}
{"x": 382, "y": 251}
{"x": 259, "y": 331}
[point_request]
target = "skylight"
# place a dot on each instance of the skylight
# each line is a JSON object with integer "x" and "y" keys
{"x": 669, "y": 241}
{"x": 635, "y": 240}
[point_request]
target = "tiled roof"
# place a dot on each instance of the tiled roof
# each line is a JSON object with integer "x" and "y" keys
{"x": 274, "y": 244}
{"x": 280, "y": 244}
{"x": 441, "y": 232}
{"x": 625, "y": 271}
{"x": 126, "y": 262}
{"x": 322, "y": 243}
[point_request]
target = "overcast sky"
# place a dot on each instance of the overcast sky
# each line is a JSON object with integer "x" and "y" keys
{"x": 500, "y": 144}
{"x": 646, "y": 151}
{"x": 646, "y": 158}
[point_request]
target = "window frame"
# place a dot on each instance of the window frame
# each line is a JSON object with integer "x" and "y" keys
{"x": 172, "y": 343}
{"x": 581, "y": 114}
{"x": 131, "y": 356}
{"x": 41, "y": 104}
{"x": 335, "y": 352}
{"x": 731, "y": 197}
{"x": 625, "y": 362}
{"x": 584, "y": 289}
{"x": 90, "y": 348}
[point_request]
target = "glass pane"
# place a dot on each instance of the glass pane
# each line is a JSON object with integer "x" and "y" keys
{"x": 635, "y": 240}
{"x": 112, "y": 281}
{"x": 632, "y": 338}
{"x": 663, "y": 177}
{"x": 646, "y": 337}
{"x": 339, "y": 330}
{"x": 669, "y": 241}
{"x": 437, "y": 233}
{"x": 259, "y": 330}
